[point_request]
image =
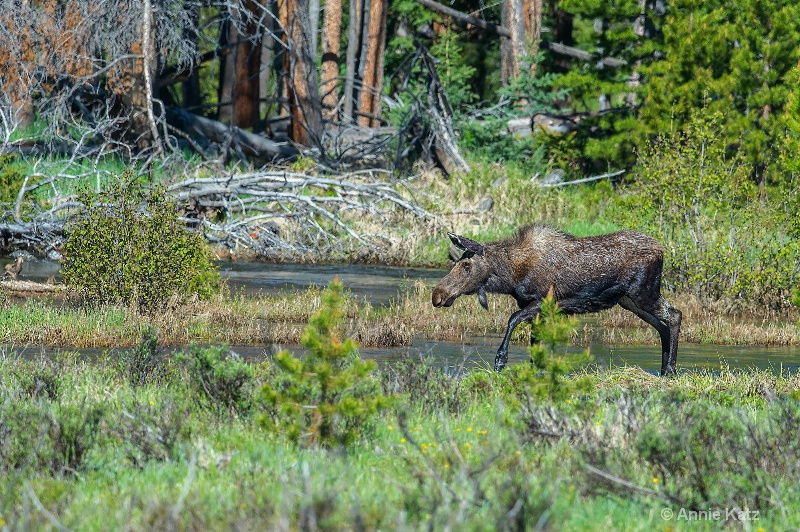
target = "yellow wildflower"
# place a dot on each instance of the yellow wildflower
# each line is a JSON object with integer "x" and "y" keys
{"x": 655, "y": 480}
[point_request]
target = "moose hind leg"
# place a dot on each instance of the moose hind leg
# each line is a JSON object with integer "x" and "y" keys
{"x": 663, "y": 329}
{"x": 671, "y": 317}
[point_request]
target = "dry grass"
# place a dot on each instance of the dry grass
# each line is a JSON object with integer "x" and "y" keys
{"x": 281, "y": 318}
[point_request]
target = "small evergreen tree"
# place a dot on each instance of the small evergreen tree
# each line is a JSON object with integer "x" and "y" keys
{"x": 546, "y": 375}
{"x": 327, "y": 396}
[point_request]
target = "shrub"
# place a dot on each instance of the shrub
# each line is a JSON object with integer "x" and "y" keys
{"x": 548, "y": 374}
{"x": 220, "y": 378}
{"x": 128, "y": 246}
{"x": 151, "y": 432}
{"x": 143, "y": 364}
{"x": 328, "y": 396}
{"x": 54, "y": 438}
{"x": 721, "y": 238}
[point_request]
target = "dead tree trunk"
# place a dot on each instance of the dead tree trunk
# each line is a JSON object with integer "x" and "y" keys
{"x": 305, "y": 106}
{"x": 370, "y": 101}
{"x": 353, "y": 45}
{"x": 239, "y": 86}
{"x": 331, "y": 35}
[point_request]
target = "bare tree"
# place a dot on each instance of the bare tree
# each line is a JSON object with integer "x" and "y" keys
{"x": 370, "y": 98}
{"x": 331, "y": 35}
{"x": 240, "y": 75}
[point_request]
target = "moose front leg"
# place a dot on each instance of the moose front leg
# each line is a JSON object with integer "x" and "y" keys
{"x": 527, "y": 313}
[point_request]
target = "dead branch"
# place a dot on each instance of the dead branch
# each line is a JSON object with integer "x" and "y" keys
{"x": 211, "y": 130}
{"x": 467, "y": 19}
{"x": 253, "y": 202}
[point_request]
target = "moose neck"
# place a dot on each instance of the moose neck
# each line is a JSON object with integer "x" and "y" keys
{"x": 501, "y": 279}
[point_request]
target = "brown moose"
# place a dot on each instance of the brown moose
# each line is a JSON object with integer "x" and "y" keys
{"x": 586, "y": 275}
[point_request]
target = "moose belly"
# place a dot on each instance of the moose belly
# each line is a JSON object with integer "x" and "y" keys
{"x": 590, "y": 298}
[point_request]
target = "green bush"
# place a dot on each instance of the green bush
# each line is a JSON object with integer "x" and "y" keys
{"x": 47, "y": 437}
{"x": 143, "y": 364}
{"x": 722, "y": 237}
{"x": 326, "y": 397}
{"x": 222, "y": 381}
{"x": 128, "y": 246}
{"x": 12, "y": 175}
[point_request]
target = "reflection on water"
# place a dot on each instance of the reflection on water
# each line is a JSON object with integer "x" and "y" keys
{"x": 479, "y": 353}
{"x": 376, "y": 284}
{"x": 379, "y": 285}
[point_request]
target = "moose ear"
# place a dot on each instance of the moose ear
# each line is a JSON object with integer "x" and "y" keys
{"x": 466, "y": 244}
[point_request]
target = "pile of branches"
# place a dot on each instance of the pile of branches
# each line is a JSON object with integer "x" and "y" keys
{"x": 257, "y": 210}
{"x": 276, "y": 213}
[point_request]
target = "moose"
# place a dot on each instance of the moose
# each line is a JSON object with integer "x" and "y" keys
{"x": 585, "y": 275}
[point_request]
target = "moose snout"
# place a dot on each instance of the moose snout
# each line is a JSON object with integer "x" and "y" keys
{"x": 440, "y": 298}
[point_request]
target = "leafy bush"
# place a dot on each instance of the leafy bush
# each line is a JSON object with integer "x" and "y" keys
{"x": 43, "y": 436}
{"x": 721, "y": 237}
{"x": 127, "y": 246}
{"x": 37, "y": 380}
{"x": 143, "y": 364}
{"x": 12, "y": 175}
{"x": 326, "y": 397}
{"x": 221, "y": 379}
{"x": 151, "y": 432}
{"x": 719, "y": 456}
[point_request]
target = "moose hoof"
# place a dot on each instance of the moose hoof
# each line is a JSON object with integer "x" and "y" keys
{"x": 500, "y": 362}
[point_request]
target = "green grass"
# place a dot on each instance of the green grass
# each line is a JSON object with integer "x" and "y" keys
{"x": 475, "y": 464}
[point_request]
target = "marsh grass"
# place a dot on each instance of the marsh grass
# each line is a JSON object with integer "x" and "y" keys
{"x": 471, "y": 452}
{"x": 279, "y": 319}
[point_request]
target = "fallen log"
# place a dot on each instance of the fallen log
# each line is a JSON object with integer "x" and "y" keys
{"x": 239, "y": 139}
{"x": 30, "y": 288}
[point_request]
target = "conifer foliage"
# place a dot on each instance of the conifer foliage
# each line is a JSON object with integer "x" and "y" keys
{"x": 325, "y": 397}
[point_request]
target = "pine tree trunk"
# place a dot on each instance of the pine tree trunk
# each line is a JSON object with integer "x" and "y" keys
{"x": 369, "y": 105}
{"x": 267, "y": 57}
{"x": 353, "y": 45}
{"x": 516, "y": 25}
{"x": 305, "y": 106}
{"x": 239, "y": 86}
{"x": 535, "y": 31}
{"x": 331, "y": 35}
{"x": 505, "y": 43}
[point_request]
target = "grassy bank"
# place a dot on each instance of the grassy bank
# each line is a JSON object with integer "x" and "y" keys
{"x": 477, "y": 453}
{"x": 279, "y": 319}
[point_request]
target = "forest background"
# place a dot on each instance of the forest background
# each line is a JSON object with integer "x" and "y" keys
{"x": 690, "y": 108}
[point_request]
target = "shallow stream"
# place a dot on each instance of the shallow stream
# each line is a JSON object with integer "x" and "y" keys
{"x": 379, "y": 285}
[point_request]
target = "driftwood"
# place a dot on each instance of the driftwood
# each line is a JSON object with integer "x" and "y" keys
{"x": 30, "y": 288}
{"x": 239, "y": 139}
{"x": 257, "y": 204}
